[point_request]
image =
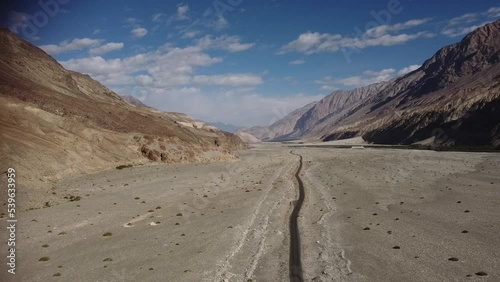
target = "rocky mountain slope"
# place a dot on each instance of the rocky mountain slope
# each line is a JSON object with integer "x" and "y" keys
{"x": 330, "y": 106}
{"x": 452, "y": 99}
{"x": 56, "y": 123}
{"x": 281, "y": 127}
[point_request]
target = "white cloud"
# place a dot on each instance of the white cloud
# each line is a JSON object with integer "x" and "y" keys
{"x": 97, "y": 66}
{"x": 307, "y": 41}
{"x": 385, "y": 29}
{"x": 366, "y": 78}
{"x": 190, "y": 34}
{"x": 239, "y": 107}
{"x": 383, "y": 35}
{"x": 158, "y": 17}
{"x": 297, "y": 62}
{"x": 73, "y": 45}
{"x": 328, "y": 88}
{"x": 144, "y": 80}
{"x": 463, "y": 19}
{"x": 106, "y": 48}
{"x": 220, "y": 23}
{"x": 139, "y": 32}
{"x": 493, "y": 12}
{"x": 210, "y": 19}
{"x": 94, "y": 45}
{"x": 384, "y": 72}
{"x": 459, "y": 31}
{"x": 408, "y": 69}
{"x": 228, "y": 80}
{"x": 164, "y": 68}
{"x": 228, "y": 43}
{"x": 96, "y": 31}
{"x": 167, "y": 79}
{"x": 467, "y": 23}
{"x": 357, "y": 81}
{"x": 182, "y": 12}
{"x": 132, "y": 21}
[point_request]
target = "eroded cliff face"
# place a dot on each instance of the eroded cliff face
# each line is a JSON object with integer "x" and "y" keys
{"x": 56, "y": 123}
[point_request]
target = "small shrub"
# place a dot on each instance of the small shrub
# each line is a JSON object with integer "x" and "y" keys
{"x": 74, "y": 198}
{"x": 123, "y": 166}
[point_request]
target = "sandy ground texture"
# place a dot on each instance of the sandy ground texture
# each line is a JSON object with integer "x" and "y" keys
{"x": 368, "y": 215}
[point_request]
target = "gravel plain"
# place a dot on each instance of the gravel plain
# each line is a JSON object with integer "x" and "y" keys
{"x": 368, "y": 215}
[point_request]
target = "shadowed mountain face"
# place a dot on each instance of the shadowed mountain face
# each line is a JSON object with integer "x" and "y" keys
{"x": 452, "y": 99}
{"x": 58, "y": 122}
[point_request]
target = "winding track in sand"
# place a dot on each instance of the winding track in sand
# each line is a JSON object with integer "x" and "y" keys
{"x": 295, "y": 261}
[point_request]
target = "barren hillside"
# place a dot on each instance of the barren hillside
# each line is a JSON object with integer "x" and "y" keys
{"x": 56, "y": 123}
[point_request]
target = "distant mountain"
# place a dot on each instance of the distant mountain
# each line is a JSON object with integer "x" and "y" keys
{"x": 55, "y": 122}
{"x": 225, "y": 126}
{"x": 282, "y": 127}
{"x": 453, "y": 98}
{"x": 248, "y": 138}
{"x": 328, "y": 107}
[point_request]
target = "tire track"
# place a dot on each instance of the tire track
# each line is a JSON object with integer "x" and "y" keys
{"x": 222, "y": 273}
{"x": 295, "y": 260}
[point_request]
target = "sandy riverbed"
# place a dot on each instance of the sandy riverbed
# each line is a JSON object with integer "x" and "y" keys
{"x": 211, "y": 222}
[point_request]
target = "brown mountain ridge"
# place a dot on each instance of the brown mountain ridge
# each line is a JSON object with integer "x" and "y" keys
{"x": 57, "y": 123}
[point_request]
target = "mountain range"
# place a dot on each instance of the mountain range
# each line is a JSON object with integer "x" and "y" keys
{"x": 452, "y": 99}
{"x": 56, "y": 122}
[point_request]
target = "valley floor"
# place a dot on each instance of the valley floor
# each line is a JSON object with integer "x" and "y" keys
{"x": 368, "y": 215}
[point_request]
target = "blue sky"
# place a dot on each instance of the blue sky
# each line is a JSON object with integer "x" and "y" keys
{"x": 239, "y": 61}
